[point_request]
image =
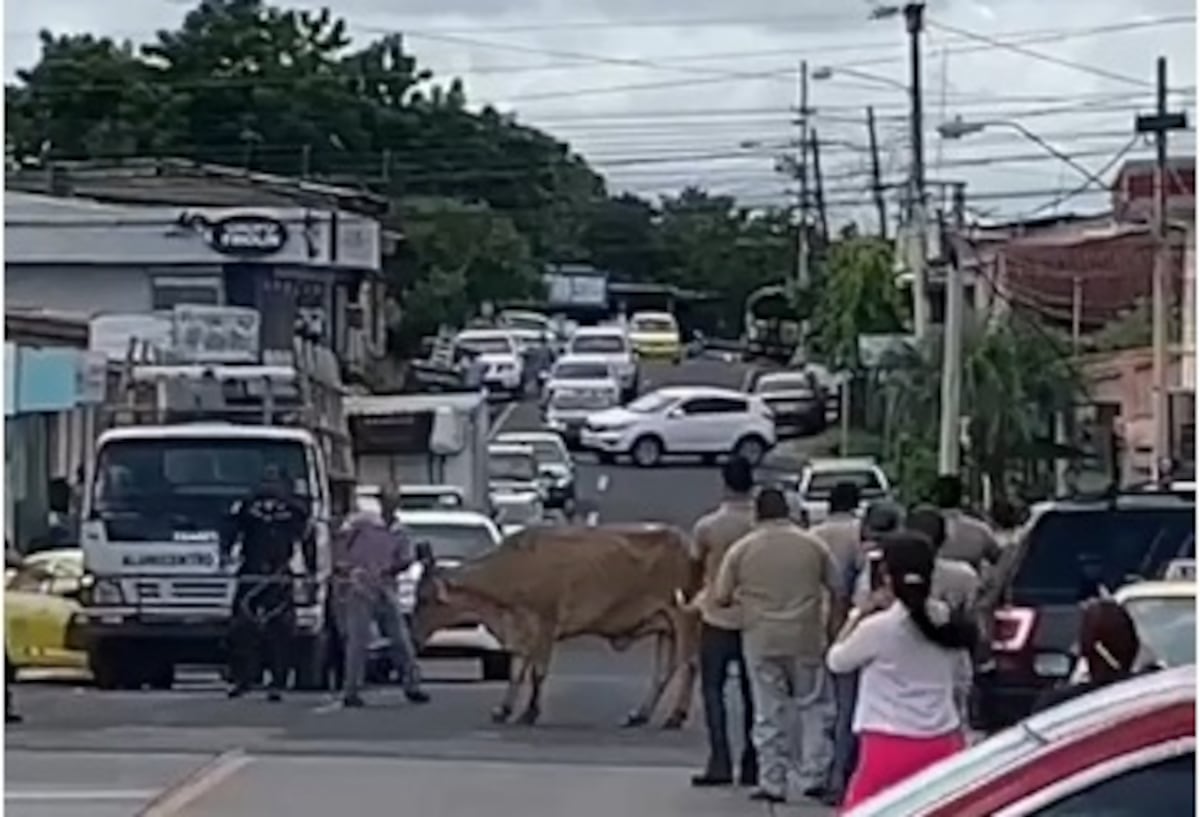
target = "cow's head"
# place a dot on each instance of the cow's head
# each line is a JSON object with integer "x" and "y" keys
{"x": 439, "y": 604}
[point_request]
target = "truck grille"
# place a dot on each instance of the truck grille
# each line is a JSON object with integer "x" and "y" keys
{"x": 181, "y": 590}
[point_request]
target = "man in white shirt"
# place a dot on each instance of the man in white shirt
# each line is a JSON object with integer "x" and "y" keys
{"x": 781, "y": 578}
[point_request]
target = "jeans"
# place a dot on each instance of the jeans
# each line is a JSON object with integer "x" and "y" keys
{"x": 719, "y": 649}
{"x": 791, "y": 726}
{"x": 361, "y": 604}
{"x": 845, "y": 742}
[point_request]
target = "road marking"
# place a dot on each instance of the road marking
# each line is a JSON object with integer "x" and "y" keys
{"x": 327, "y": 707}
{"x": 593, "y": 519}
{"x": 176, "y": 798}
{"x": 502, "y": 418}
{"x": 74, "y": 795}
{"x": 602, "y": 483}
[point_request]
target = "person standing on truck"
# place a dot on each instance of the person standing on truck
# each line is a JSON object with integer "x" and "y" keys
{"x": 268, "y": 524}
{"x": 368, "y": 556}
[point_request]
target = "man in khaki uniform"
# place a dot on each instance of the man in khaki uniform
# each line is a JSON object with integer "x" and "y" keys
{"x": 842, "y": 532}
{"x": 720, "y": 628}
{"x": 781, "y": 578}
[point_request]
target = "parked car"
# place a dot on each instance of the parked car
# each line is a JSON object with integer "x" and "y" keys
{"x": 683, "y": 420}
{"x": 556, "y": 470}
{"x": 455, "y": 537}
{"x": 1126, "y": 750}
{"x": 516, "y": 492}
{"x": 40, "y": 599}
{"x": 796, "y": 400}
{"x": 1164, "y": 613}
{"x": 819, "y": 476}
{"x": 499, "y": 353}
{"x": 1070, "y": 550}
{"x": 655, "y": 336}
{"x": 612, "y": 344}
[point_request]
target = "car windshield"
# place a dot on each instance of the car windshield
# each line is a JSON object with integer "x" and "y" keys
{"x": 512, "y": 467}
{"x": 598, "y": 345}
{"x": 533, "y": 322}
{"x": 1167, "y": 625}
{"x": 547, "y": 452}
{"x": 488, "y": 344}
{"x": 651, "y": 403}
{"x": 429, "y": 500}
{"x": 1069, "y": 554}
{"x": 654, "y": 324}
{"x": 453, "y": 541}
{"x": 148, "y": 490}
{"x": 821, "y": 485}
{"x": 779, "y": 384}
{"x": 581, "y": 371}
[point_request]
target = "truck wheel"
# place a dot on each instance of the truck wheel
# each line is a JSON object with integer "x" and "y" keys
{"x": 104, "y": 661}
{"x": 497, "y": 666}
{"x": 161, "y": 675}
{"x": 310, "y": 665}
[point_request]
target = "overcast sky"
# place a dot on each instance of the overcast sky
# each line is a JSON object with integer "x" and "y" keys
{"x": 662, "y": 93}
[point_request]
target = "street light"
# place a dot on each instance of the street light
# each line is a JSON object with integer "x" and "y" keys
{"x": 827, "y": 72}
{"x": 957, "y": 128}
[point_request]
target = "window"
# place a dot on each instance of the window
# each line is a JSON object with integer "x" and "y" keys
{"x": 714, "y": 405}
{"x": 1069, "y": 552}
{"x": 821, "y": 485}
{"x": 168, "y": 291}
{"x": 1167, "y": 787}
{"x": 598, "y": 345}
{"x": 454, "y": 541}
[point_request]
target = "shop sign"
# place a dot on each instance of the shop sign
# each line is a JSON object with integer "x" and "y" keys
{"x": 247, "y": 235}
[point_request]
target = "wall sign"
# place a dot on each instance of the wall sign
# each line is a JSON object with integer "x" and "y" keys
{"x": 247, "y": 235}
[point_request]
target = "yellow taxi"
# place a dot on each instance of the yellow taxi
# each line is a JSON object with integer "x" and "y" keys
{"x": 39, "y": 602}
{"x": 655, "y": 335}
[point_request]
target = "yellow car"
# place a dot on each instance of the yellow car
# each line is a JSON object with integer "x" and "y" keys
{"x": 39, "y": 601}
{"x": 655, "y": 335}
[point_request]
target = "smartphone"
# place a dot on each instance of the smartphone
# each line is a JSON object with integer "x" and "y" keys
{"x": 875, "y": 568}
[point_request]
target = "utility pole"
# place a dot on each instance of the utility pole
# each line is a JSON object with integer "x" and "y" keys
{"x": 949, "y": 431}
{"x": 1076, "y": 313}
{"x": 822, "y": 216}
{"x": 802, "y": 272}
{"x": 914, "y": 18}
{"x": 876, "y": 181}
{"x": 1160, "y": 123}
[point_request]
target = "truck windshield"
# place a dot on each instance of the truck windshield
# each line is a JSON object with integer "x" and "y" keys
{"x": 153, "y": 489}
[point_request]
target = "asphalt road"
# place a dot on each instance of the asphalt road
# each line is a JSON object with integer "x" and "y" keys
{"x": 190, "y": 751}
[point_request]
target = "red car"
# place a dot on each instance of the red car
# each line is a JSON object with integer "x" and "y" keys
{"x": 1124, "y": 751}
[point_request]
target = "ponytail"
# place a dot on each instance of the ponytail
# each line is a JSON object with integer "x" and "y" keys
{"x": 909, "y": 561}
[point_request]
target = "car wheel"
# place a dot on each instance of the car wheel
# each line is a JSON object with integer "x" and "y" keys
{"x": 751, "y": 448}
{"x": 647, "y": 451}
{"x": 497, "y": 666}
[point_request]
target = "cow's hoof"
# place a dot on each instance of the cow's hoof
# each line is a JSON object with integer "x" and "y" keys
{"x": 634, "y": 719}
{"x": 528, "y": 717}
{"x": 675, "y": 721}
{"x": 501, "y": 714}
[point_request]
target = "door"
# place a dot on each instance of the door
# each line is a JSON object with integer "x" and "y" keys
{"x": 710, "y": 424}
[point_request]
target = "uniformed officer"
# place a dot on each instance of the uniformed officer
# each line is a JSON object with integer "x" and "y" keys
{"x": 268, "y": 524}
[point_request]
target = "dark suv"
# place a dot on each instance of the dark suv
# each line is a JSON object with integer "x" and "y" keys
{"x": 1070, "y": 552}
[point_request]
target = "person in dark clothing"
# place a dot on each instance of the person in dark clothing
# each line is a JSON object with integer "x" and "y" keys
{"x": 268, "y": 524}
{"x": 1109, "y": 643}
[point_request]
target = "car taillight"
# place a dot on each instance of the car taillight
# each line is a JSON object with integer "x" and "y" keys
{"x": 1012, "y": 628}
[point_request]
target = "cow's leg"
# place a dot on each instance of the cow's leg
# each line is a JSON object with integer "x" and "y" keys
{"x": 539, "y": 667}
{"x": 687, "y": 656}
{"x": 517, "y": 673}
{"x": 664, "y": 648}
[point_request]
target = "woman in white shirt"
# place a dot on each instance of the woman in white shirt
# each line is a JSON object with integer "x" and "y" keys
{"x": 908, "y": 650}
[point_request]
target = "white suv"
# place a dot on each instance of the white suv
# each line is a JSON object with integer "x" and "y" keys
{"x": 610, "y": 343}
{"x": 683, "y": 420}
{"x": 501, "y": 357}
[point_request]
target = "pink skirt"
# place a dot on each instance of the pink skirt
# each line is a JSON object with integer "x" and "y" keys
{"x": 885, "y": 760}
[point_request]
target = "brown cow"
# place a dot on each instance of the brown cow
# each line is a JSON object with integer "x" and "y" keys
{"x": 550, "y": 584}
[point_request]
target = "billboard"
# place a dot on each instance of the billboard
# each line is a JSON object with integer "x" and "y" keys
{"x": 566, "y": 286}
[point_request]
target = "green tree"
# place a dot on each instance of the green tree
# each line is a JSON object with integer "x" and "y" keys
{"x": 856, "y": 294}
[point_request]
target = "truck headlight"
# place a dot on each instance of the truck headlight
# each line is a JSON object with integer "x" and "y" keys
{"x": 100, "y": 592}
